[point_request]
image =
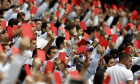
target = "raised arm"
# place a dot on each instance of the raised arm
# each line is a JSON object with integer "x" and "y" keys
{"x": 16, "y": 64}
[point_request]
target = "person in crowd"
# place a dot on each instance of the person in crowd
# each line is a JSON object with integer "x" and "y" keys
{"x": 69, "y": 42}
{"x": 121, "y": 72}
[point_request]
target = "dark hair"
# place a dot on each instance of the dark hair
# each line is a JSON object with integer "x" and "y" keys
{"x": 127, "y": 39}
{"x": 87, "y": 43}
{"x": 128, "y": 44}
{"x": 121, "y": 48}
{"x": 59, "y": 41}
{"x": 99, "y": 77}
{"x": 52, "y": 4}
{"x": 77, "y": 28}
{"x": 75, "y": 61}
{"x": 135, "y": 68}
{"x": 76, "y": 18}
{"x": 70, "y": 26}
{"x": 102, "y": 32}
{"x": 44, "y": 25}
{"x": 51, "y": 47}
{"x": 113, "y": 52}
{"x": 3, "y": 45}
{"x": 37, "y": 20}
{"x": 67, "y": 21}
{"x": 124, "y": 56}
{"x": 107, "y": 58}
{"x": 23, "y": 14}
{"x": 2, "y": 11}
{"x": 12, "y": 22}
{"x": 34, "y": 53}
{"x": 91, "y": 29}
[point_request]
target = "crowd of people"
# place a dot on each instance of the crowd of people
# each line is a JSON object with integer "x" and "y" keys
{"x": 69, "y": 42}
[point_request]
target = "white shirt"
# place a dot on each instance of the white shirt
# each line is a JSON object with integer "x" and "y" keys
{"x": 87, "y": 16}
{"x": 41, "y": 10}
{"x": 135, "y": 60}
{"x": 93, "y": 65}
{"x": 27, "y": 55}
{"x": 91, "y": 41}
{"x": 88, "y": 22}
{"x": 110, "y": 20}
{"x": 14, "y": 70}
{"x": 95, "y": 20}
{"x": 119, "y": 74}
{"x": 38, "y": 33}
{"x": 113, "y": 30}
{"x": 72, "y": 15}
{"x": 119, "y": 42}
{"x": 41, "y": 43}
{"x": 43, "y": 36}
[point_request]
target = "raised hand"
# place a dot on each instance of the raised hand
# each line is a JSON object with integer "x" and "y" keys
{"x": 2, "y": 57}
{"x": 52, "y": 37}
{"x": 124, "y": 33}
{"x": 29, "y": 80}
{"x": 67, "y": 43}
{"x": 36, "y": 63}
{"x": 100, "y": 50}
{"x": 49, "y": 33}
{"x": 63, "y": 33}
{"x": 24, "y": 44}
{"x": 96, "y": 41}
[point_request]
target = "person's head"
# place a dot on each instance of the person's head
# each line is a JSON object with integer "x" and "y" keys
{"x": 1, "y": 19}
{"x": 6, "y": 47}
{"x": 121, "y": 49}
{"x": 77, "y": 20}
{"x": 45, "y": 27}
{"x": 7, "y": 4}
{"x": 128, "y": 39}
{"x": 38, "y": 23}
{"x": 75, "y": 61}
{"x": 109, "y": 60}
{"x": 71, "y": 28}
{"x": 99, "y": 77}
{"x": 3, "y": 35}
{"x": 46, "y": 16}
{"x": 91, "y": 31}
{"x": 52, "y": 52}
{"x": 21, "y": 18}
{"x": 60, "y": 42}
{"x": 87, "y": 44}
{"x": 78, "y": 10}
{"x": 53, "y": 18}
{"x": 135, "y": 68}
{"x": 114, "y": 52}
{"x": 125, "y": 59}
{"x": 12, "y": 22}
{"x": 58, "y": 65}
{"x": 104, "y": 24}
{"x": 33, "y": 45}
{"x": 79, "y": 30}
